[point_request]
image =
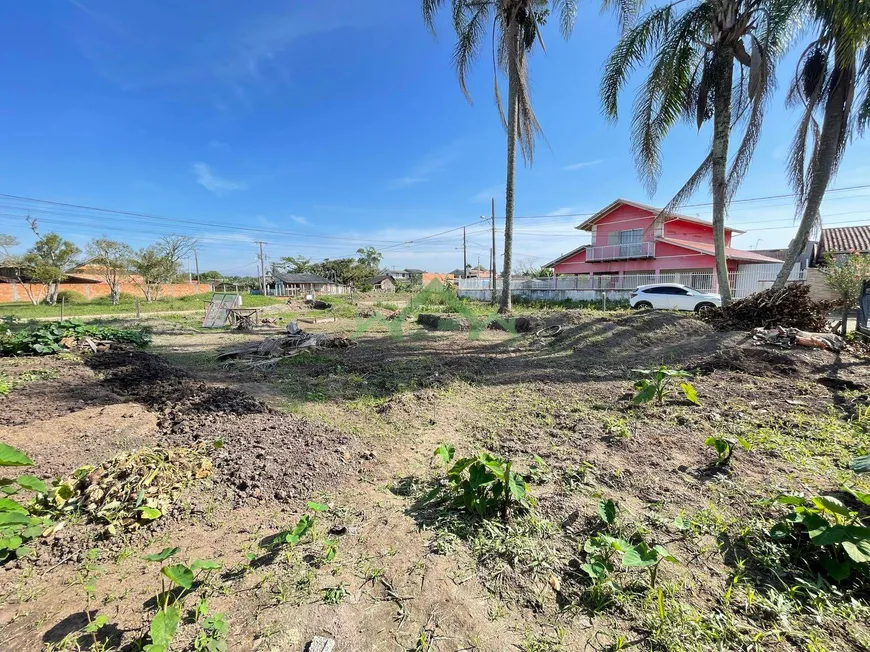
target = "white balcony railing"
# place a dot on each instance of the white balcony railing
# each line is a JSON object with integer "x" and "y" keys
{"x": 621, "y": 252}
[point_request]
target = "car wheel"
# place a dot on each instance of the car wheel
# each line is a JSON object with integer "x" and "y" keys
{"x": 703, "y": 307}
{"x": 643, "y": 305}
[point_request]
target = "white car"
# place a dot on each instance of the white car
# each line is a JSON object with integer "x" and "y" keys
{"x": 672, "y": 296}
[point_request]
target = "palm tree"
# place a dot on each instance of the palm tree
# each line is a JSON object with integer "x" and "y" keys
{"x": 832, "y": 78}
{"x": 710, "y": 60}
{"x": 516, "y": 27}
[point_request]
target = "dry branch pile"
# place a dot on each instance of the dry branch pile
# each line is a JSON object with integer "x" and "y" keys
{"x": 129, "y": 490}
{"x": 786, "y": 338}
{"x": 790, "y": 307}
{"x": 294, "y": 342}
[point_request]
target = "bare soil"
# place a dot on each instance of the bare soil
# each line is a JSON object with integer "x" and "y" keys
{"x": 356, "y": 428}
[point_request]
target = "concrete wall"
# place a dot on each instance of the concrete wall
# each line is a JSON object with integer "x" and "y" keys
{"x": 551, "y": 295}
{"x": 819, "y": 290}
{"x": 10, "y": 292}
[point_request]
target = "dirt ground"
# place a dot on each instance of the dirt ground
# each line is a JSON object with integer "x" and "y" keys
{"x": 355, "y": 429}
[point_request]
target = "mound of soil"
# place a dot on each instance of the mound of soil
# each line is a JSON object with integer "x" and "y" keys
{"x": 70, "y": 387}
{"x": 755, "y": 361}
{"x": 263, "y": 453}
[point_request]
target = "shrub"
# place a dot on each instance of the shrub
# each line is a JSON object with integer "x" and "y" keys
{"x": 70, "y": 297}
{"x": 485, "y": 484}
{"x": 46, "y": 339}
{"x": 824, "y": 532}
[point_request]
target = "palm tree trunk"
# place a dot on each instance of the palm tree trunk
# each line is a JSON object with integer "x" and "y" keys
{"x": 505, "y": 305}
{"x": 721, "y": 137}
{"x": 823, "y": 167}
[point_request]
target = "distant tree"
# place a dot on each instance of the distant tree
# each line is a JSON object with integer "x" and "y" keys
{"x": 7, "y": 242}
{"x": 48, "y": 262}
{"x": 845, "y": 277}
{"x": 343, "y": 270}
{"x": 152, "y": 268}
{"x": 175, "y": 248}
{"x": 211, "y": 275}
{"x": 369, "y": 257}
{"x": 534, "y": 271}
{"x": 294, "y": 265}
{"x": 113, "y": 257}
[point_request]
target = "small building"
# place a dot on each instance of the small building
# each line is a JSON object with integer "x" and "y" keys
{"x": 409, "y": 276}
{"x": 382, "y": 283}
{"x": 290, "y": 285}
{"x": 843, "y": 240}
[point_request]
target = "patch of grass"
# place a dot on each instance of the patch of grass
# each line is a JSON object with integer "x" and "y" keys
{"x": 545, "y": 642}
{"x": 103, "y": 306}
{"x": 334, "y": 595}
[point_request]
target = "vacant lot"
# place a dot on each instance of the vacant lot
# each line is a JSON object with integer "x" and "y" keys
{"x": 388, "y": 565}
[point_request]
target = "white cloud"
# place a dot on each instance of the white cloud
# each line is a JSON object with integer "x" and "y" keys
{"x": 565, "y": 210}
{"x": 582, "y": 164}
{"x": 404, "y": 182}
{"x": 214, "y": 183}
{"x": 432, "y": 163}
{"x": 299, "y": 219}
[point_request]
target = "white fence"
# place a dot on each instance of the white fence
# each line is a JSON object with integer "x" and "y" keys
{"x": 748, "y": 280}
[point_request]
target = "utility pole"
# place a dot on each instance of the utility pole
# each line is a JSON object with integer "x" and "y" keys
{"x": 492, "y": 270}
{"x": 464, "y": 256}
{"x": 262, "y": 258}
{"x": 196, "y": 260}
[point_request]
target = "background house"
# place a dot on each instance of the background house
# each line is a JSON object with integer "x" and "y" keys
{"x": 843, "y": 240}
{"x": 290, "y": 285}
{"x": 628, "y": 247}
{"x": 382, "y": 283}
{"x": 837, "y": 242}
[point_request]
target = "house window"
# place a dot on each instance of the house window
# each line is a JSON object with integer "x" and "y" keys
{"x": 628, "y": 242}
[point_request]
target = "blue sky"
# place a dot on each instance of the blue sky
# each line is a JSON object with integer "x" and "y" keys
{"x": 322, "y": 127}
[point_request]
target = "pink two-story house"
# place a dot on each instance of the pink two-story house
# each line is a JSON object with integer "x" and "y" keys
{"x": 626, "y": 241}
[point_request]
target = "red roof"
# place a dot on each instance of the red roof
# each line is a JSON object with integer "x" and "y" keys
{"x": 730, "y": 252}
{"x": 844, "y": 239}
{"x": 587, "y": 225}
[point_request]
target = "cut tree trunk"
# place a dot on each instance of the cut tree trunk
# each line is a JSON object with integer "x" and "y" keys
{"x": 513, "y": 80}
{"x": 721, "y": 136}
{"x": 823, "y": 162}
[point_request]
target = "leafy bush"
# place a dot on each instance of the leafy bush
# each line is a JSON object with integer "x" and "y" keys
{"x": 17, "y": 524}
{"x": 657, "y": 385}
{"x": 485, "y": 484}
{"x": 46, "y": 339}
{"x": 70, "y": 297}
{"x": 826, "y": 533}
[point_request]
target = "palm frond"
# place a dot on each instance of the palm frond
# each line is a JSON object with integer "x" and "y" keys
{"x": 567, "y": 15}
{"x": 862, "y": 115}
{"x": 626, "y": 11}
{"x": 689, "y": 188}
{"x": 470, "y": 32}
{"x": 761, "y": 84}
{"x": 629, "y": 52}
{"x": 430, "y": 8}
{"x": 661, "y": 103}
